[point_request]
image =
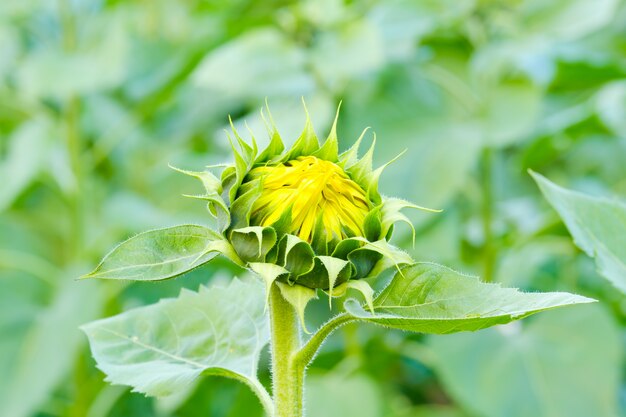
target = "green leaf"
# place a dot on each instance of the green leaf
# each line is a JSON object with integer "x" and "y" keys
{"x": 565, "y": 363}
{"x": 162, "y": 254}
{"x": 430, "y": 298}
{"x": 161, "y": 348}
{"x": 598, "y": 226}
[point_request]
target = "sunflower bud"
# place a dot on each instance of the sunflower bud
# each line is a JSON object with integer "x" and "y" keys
{"x": 308, "y": 217}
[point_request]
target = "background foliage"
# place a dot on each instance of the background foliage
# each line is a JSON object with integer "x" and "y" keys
{"x": 97, "y": 96}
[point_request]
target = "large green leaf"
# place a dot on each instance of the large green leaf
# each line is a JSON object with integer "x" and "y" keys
{"x": 430, "y": 298}
{"x": 598, "y": 226}
{"x": 565, "y": 363}
{"x": 161, "y": 348}
{"x": 161, "y": 254}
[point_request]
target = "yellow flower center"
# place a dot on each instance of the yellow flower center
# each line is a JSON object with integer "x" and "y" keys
{"x": 314, "y": 190}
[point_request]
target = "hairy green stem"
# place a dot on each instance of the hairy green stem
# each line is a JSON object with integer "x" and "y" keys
{"x": 306, "y": 354}
{"x": 287, "y": 374}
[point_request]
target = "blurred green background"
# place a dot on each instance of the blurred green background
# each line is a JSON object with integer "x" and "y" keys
{"x": 98, "y": 96}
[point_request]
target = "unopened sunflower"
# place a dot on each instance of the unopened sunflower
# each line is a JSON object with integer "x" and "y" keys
{"x": 307, "y": 217}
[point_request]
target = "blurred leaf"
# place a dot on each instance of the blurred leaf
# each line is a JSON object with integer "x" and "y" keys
{"x": 520, "y": 265}
{"x": 611, "y": 106}
{"x": 429, "y": 298}
{"x": 439, "y": 162}
{"x": 353, "y": 50}
{"x": 438, "y": 241}
{"x": 48, "y": 349}
{"x": 259, "y": 63}
{"x": 554, "y": 19}
{"x": 407, "y": 111}
{"x": 340, "y": 395}
{"x": 28, "y": 146}
{"x": 56, "y": 73}
{"x": 511, "y": 111}
{"x": 9, "y": 49}
{"x": 564, "y": 363}
{"x": 160, "y": 254}
{"x": 161, "y": 348}
{"x": 402, "y": 23}
{"x": 430, "y": 411}
{"x": 533, "y": 57}
{"x": 598, "y": 226}
{"x": 218, "y": 397}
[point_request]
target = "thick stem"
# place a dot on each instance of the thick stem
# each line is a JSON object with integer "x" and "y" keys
{"x": 287, "y": 374}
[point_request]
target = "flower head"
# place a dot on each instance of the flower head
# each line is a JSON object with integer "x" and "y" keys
{"x": 308, "y": 217}
{"x": 320, "y": 199}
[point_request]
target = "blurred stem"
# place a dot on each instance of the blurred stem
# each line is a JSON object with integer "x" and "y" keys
{"x": 454, "y": 86}
{"x": 72, "y": 118}
{"x": 106, "y": 400}
{"x": 72, "y": 125}
{"x": 71, "y": 121}
{"x": 68, "y": 22}
{"x": 32, "y": 264}
{"x": 351, "y": 337}
{"x": 489, "y": 250}
{"x": 287, "y": 374}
